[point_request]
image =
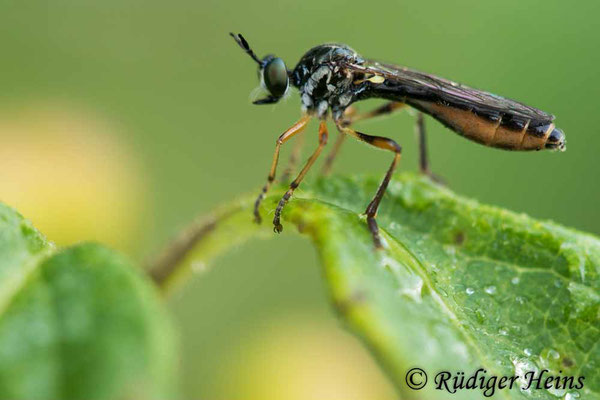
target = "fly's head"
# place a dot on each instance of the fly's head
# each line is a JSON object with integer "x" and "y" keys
{"x": 272, "y": 72}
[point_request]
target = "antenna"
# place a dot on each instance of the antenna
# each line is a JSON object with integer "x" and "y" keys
{"x": 245, "y": 46}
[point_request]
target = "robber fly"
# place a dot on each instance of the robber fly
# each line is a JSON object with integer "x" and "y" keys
{"x": 331, "y": 77}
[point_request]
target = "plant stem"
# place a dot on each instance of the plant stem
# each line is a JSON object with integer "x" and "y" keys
{"x": 162, "y": 268}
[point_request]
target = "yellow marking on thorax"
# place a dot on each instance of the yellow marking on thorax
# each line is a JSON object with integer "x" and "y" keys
{"x": 372, "y": 79}
{"x": 377, "y": 79}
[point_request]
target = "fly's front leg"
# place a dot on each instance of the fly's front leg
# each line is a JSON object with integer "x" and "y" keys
{"x": 293, "y": 130}
{"x": 322, "y": 142}
{"x": 351, "y": 116}
{"x": 385, "y": 144}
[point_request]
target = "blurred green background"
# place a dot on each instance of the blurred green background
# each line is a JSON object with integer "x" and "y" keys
{"x": 122, "y": 120}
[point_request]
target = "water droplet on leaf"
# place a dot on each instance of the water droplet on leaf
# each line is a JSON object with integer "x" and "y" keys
{"x": 553, "y": 354}
{"x": 520, "y": 299}
{"x": 491, "y": 290}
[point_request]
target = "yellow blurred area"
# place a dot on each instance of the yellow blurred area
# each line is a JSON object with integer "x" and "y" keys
{"x": 299, "y": 357}
{"x": 69, "y": 172}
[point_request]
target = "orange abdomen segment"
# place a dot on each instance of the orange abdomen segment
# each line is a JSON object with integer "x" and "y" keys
{"x": 494, "y": 133}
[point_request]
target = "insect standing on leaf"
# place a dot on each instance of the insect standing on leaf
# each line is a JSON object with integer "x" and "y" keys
{"x": 331, "y": 77}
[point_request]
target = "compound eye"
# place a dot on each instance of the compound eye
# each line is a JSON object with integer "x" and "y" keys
{"x": 276, "y": 77}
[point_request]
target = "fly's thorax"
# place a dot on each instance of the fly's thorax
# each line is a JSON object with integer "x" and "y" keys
{"x": 328, "y": 86}
{"x": 322, "y": 79}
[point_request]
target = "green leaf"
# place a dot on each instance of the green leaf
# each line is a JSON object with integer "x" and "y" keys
{"x": 461, "y": 285}
{"x": 78, "y": 323}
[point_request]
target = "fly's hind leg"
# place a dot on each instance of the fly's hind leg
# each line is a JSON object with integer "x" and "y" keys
{"x": 322, "y": 142}
{"x": 351, "y": 116}
{"x": 385, "y": 144}
{"x": 423, "y": 154}
{"x": 287, "y": 135}
{"x": 384, "y": 109}
{"x": 332, "y": 154}
{"x": 294, "y": 158}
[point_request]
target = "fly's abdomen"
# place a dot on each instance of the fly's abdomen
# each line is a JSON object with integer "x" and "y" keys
{"x": 503, "y": 131}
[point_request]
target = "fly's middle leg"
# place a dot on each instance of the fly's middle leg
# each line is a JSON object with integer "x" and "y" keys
{"x": 385, "y": 144}
{"x": 296, "y": 182}
{"x": 349, "y": 112}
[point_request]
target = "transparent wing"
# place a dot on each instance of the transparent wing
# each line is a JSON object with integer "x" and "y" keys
{"x": 404, "y": 84}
